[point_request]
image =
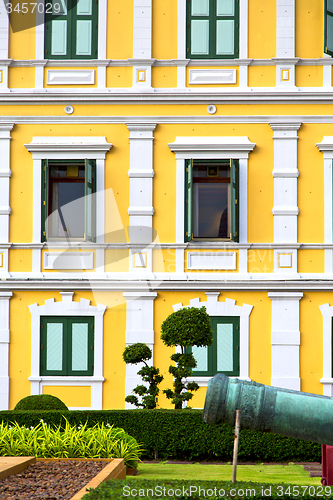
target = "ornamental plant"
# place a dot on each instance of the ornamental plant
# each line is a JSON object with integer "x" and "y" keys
{"x": 44, "y": 441}
{"x": 185, "y": 328}
{"x": 140, "y": 353}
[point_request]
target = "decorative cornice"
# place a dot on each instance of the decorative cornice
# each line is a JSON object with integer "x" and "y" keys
{"x": 66, "y": 144}
{"x": 189, "y": 145}
{"x": 181, "y": 119}
{"x": 284, "y": 127}
{"x": 140, "y": 286}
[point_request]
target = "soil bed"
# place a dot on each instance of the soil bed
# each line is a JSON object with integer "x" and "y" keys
{"x": 50, "y": 480}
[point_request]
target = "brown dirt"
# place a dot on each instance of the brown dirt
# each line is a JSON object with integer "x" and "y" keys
{"x": 58, "y": 480}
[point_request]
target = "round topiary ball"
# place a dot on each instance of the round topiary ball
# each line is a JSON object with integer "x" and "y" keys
{"x": 41, "y": 402}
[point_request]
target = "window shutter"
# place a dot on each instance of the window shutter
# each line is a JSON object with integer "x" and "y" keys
{"x": 44, "y": 200}
{"x": 328, "y": 28}
{"x": 84, "y": 26}
{"x": 188, "y": 200}
{"x": 234, "y": 202}
{"x": 53, "y": 350}
{"x": 72, "y": 31}
{"x": 58, "y": 34}
{"x": 89, "y": 199}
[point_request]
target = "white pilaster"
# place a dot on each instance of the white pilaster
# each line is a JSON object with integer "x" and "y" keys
{"x": 142, "y": 42}
{"x": 327, "y": 380}
{"x": 139, "y": 328}
{"x": 4, "y": 40}
{"x": 285, "y": 339}
{"x": 141, "y": 209}
{"x": 326, "y": 147}
{"x": 4, "y": 349}
{"x": 5, "y": 210}
{"x": 285, "y": 173}
{"x": 285, "y": 43}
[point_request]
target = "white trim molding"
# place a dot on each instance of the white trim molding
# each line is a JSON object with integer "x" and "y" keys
{"x": 68, "y": 307}
{"x": 285, "y": 339}
{"x": 139, "y": 328}
{"x": 5, "y": 174}
{"x": 207, "y": 148}
{"x": 214, "y": 307}
{"x": 4, "y": 349}
{"x": 326, "y": 147}
{"x": 285, "y": 174}
{"x": 327, "y": 380}
{"x": 141, "y": 175}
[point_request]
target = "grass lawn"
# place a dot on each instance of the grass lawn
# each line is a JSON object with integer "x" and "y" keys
{"x": 292, "y": 473}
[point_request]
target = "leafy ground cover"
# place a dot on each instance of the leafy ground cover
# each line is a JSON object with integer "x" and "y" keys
{"x": 45, "y": 441}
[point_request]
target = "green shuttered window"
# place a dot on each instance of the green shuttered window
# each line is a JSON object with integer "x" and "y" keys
{"x": 67, "y": 346}
{"x": 211, "y": 200}
{"x": 68, "y": 201}
{"x": 71, "y": 30}
{"x": 212, "y": 29}
{"x": 223, "y": 355}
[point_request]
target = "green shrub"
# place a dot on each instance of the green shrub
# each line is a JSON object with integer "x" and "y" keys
{"x": 180, "y": 435}
{"x": 40, "y": 402}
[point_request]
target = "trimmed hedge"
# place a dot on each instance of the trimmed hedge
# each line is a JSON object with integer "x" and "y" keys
{"x": 180, "y": 435}
{"x": 154, "y": 489}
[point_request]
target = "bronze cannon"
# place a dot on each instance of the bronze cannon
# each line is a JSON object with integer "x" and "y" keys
{"x": 269, "y": 409}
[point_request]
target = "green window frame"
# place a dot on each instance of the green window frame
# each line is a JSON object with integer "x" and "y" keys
{"x": 89, "y": 199}
{"x": 67, "y": 346}
{"x": 212, "y": 29}
{"x": 328, "y": 27}
{"x": 71, "y": 29}
{"x": 223, "y": 355}
{"x": 233, "y": 201}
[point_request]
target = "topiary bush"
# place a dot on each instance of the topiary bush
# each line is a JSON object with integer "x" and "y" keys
{"x": 185, "y": 328}
{"x": 140, "y": 353}
{"x": 41, "y": 402}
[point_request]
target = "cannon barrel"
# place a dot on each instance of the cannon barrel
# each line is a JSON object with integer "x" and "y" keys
{"x": 269, "y": 409}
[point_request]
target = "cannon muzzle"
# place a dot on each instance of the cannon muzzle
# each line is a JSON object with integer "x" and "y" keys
{"x": 269, "y": 409}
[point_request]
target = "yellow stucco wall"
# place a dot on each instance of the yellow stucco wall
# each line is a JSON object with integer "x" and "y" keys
{"x": 164, "y": 24}
{"x": 262, "y": 30}
{"x": 20, "y": 260}
{"x": 309, "y": 19}
{"x": 21, "y": 78}
{"x": 72, "y": 396}
{"x": 309, "y": 76}
{"x": 262, "y": 76}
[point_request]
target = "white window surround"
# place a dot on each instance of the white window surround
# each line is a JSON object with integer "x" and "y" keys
{"x": 67, "y": 307}
{"x": 68, "y": 148}
{"x": 326, "y": 147}
{"x": 243, "y": 42}
{"x": 208, "y": 148}
{"x": 214, "y": 307}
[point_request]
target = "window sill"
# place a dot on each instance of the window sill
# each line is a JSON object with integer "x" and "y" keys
{"x": 203, "y": 381}
{"x": 68, "y": 380}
